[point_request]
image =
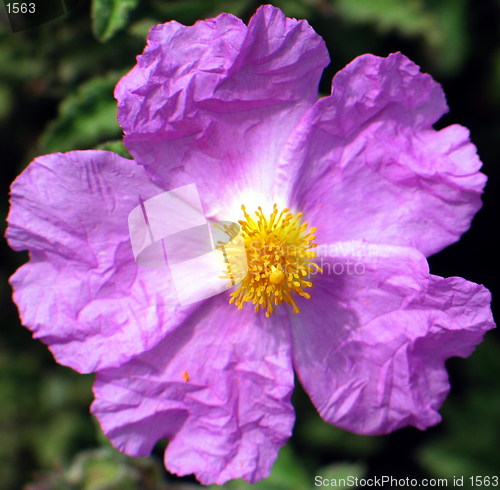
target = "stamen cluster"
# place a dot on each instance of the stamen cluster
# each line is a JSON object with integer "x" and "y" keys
{"x": 279, "y": 252}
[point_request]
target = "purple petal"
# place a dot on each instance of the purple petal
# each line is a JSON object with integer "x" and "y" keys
{"x": 366, "y": 164}
{"x": 219, "y": 388}
{"x": 371, "y": 349}
{"x": 214, "y": 103}
{"x": 82, "y": 292}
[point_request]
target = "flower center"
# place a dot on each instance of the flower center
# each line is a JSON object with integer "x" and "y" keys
{"x": 279, "y": 252}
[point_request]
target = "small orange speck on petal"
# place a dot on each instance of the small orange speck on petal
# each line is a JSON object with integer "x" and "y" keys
{"x": 185, "y": 375}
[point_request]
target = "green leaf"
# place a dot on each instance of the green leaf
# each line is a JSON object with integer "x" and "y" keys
{"x": 468, "y": 442}
{"x": 287, "y": 474}
{"x": 86, "y": 118}
{"x": 109, "y": 16}
{"x": 294, "y": 8}
{"x": 452, "y": 38}
{"x": 440, "y": 24}
{"x": 102, "y": 469}
{"x": 189, "y": 11}
{"x": 19, "y": 61}
{"x": 317, "y": 434}
{"x": 407, "y": 16}
{"x": 116, "y": 146}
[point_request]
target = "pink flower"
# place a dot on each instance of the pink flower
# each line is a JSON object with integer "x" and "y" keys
{"x": 234, "y": 110}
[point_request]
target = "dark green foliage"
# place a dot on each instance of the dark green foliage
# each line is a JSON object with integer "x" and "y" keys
{"x": 56, "y": 94}
{"x": 110, "y": 16}
{"x": 455, "y": 451}
{"x": 85, "y": 118}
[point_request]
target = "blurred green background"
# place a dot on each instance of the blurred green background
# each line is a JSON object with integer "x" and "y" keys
{"x": 56, "y": 94}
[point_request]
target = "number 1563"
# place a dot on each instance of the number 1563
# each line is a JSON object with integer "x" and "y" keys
{"x": 20, "y": 8}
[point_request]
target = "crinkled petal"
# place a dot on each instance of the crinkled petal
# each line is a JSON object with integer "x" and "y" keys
{"x": 82, "y": 292}
{"x": 365, "y": 163}
{"x": 218, "y": 388}
{"x": 213, "y": 103}
{"x": 370, "y": 346}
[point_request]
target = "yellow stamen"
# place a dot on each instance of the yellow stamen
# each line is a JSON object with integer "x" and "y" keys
{"x": 277, "y": 277}
{"x": 279, "y": 253}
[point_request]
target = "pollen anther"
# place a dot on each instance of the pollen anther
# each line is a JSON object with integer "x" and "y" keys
{"x": 279, "y": 252}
